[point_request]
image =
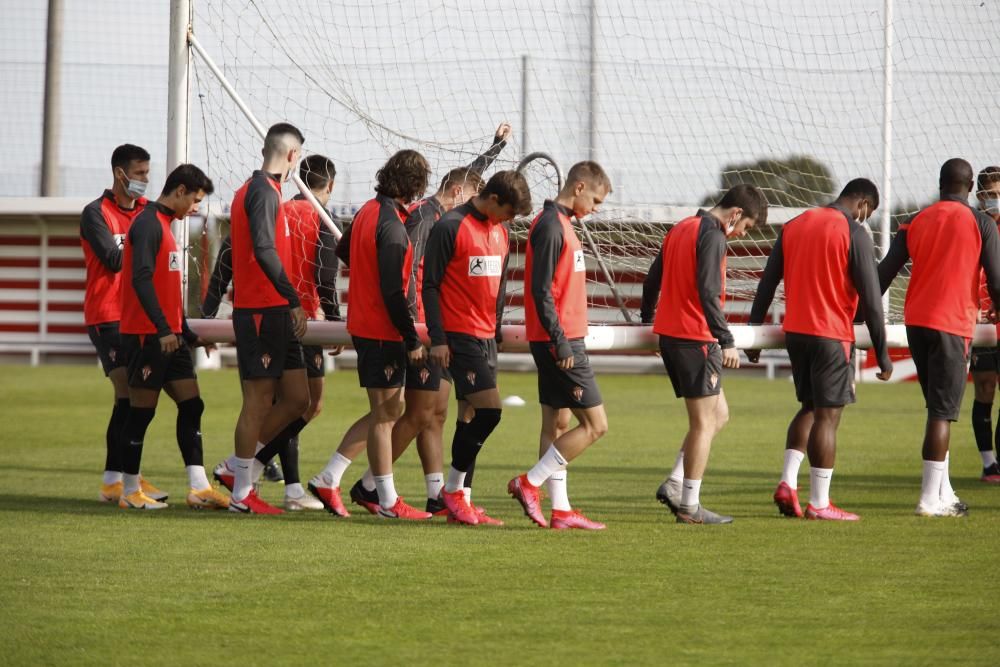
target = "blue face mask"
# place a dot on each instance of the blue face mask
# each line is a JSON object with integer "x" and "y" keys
{"x": 134, "y": 188}
{"x": 992, "y": 206}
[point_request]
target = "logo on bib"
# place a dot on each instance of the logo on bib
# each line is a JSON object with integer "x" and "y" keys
{"x": 120, "y": 241}
{"x": 579, "y": 263}
{"x": 485, "y": 265}
{"x": 174, "y": 261}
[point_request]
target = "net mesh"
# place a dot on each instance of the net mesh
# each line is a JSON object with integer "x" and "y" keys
{"x": 678, "y": 101}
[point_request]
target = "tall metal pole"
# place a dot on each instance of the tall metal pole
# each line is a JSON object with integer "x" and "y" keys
{"x": 592, "y": 105}
{"x": 884, "y": 226}
{"x": 524, "y": 104}
{"x": 50, "y": 114}
{"x": 178, "y": 88}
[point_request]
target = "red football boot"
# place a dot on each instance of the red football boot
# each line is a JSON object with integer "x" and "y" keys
{"x": 459, "y": 510}
{"x": 523, "y": 492}
{"x": 224, "y": 476}
{"x": 403, "y": 511}
{"x": 563, "y": 519}
{"x": 830, "y": 513}
{"x": 253, "y": 504}
{"x": 484, "y": 518}
{"x": 787, "y": 500}
{"x": 330, "y": 497}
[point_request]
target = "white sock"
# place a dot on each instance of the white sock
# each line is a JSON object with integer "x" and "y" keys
{"x": 335, "y": 469}
{"x": 790, "y": 473}
{"x": 434, "y": 482}
{"x": 197, "y": 479}
{"x": 467, "y": 492}
{"x": 819, "y": 487}
{"x": 131, "y": 483}
{"x": 677, "y": 474}
{"x": 113, "y": 476}
{"x": 551, "y": 462}
{"x": 989, "y": 458}
{"x": 556, "y": 484}
{"x": 947, "y": 493}
{"x": 368, "y": 480}
{"x": 257, "y": 467}
{"x": 386, "y": 491}
{"x": 930, "y": 488}
{"x": 294, "y": 490}
{"x": 456, "y": 478}
{"x": 242, "y": 478}
{"x": 691, "y": 492}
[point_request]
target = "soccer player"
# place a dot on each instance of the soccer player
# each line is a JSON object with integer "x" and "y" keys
{"x": 157, "y": 340}
{"x": 378, "y": 251}
{"x": 268, "y": 318}
{"x": 426, "y": 398}
{"x": 986, "y": 360}
{"x": 555, "y": 292}
{"x": 463, "y": 293}
{"x": 827, "y": 261}
{"x": 947, "y": 242}
{"x": 103, "y": 225}
{"x": 689, "y": 277}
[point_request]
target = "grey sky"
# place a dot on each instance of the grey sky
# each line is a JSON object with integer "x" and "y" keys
{"x": 682, "y": 87}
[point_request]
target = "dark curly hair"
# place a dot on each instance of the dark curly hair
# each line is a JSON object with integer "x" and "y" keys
{"x": 403, "y": 176}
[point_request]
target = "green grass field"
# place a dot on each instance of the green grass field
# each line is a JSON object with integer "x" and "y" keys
{"x": 85, "y": 583}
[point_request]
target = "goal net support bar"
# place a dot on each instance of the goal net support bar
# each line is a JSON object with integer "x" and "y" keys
{"x": 602, "y": 338}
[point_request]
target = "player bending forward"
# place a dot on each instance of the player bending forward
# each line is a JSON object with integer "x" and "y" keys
{"x": 947, "y": 242}
{"x": 828, "y": 264}
{"x": 156, "y": 339}
{"x": 463, "y": 292}
{"x": 556, "y": 321}
{"x": 689, "y": 275}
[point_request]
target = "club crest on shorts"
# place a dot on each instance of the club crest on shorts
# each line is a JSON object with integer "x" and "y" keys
{"x": 265, "y": 360}
{"x": 974, "y": 358}
{"x": 424, "y": 375}
{"x": 318, "y": 361}
{"x": 578, "y": 393}
{"x": 471, "y": 377}
{"x": 146, "y": 372}
{"x": 112, "y": 354}
{"x": 389, "y": 371}
{"x": 713, "y": 379}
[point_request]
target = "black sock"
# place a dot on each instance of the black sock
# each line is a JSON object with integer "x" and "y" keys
{"x": 470, "y": 439}
{"x": 113, "y": 459}
{"x": 133, "y": 434}
{"x": 271, "y": 449}
{"x": 189, "y": 431}
{"x": 289, "y": 455}
{"x": 982, "y": 425}
{"x": 469, "y": 475}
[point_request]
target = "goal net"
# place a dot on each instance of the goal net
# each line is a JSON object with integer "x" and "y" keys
{"x": 677, "y": 100}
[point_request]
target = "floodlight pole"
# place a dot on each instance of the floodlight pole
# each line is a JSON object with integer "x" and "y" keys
{"x": 53, "y": 95}
{"x": 178, "y": 112}
{"x": 886, "y": 219}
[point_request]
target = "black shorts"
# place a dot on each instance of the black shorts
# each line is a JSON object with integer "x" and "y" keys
{"x": 149, "y": 368}
{"x": 426, "y": 377}
{"x": 694, "y": 367}
{"x": 985, "y": 360}
{"x": 942, "y": 361}
{"x": 108, "y": 344}
{"x": 381, "y": 363}
{"x": 823, "y": 370}
{"x": 473, "y": 364}
{"x": 558, "y": 388}
{"x": 315, "y": 360}
{"x": 266, "y": 345}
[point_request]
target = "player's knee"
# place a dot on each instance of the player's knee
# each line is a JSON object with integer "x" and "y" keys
{"x": 597, "y": 427}
{"x": 192, "y": 408}
{"x": 484, "y": 422}
{"x": 721, "y": 418}
{"x": 315, "y": 407}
